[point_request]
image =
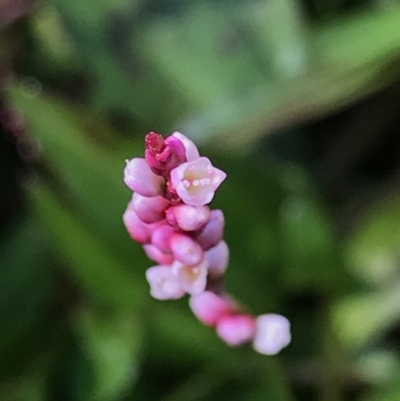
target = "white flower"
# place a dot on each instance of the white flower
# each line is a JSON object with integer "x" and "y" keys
{"x": 272, "y": 334}
{"x": 196, "y": 182}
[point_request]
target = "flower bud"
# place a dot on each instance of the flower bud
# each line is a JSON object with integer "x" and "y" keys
{"x": 189, "y": 218}
{"x": 209, "y": 308}
{"x": 212, "y": 233}
{"x": 163, "y": 155}
{"x": 191, "y": 151}
{"x": 237, "y": 329}
{"x": 139, "y": 178}
{"x": 272, "y": 334}
{"x": 185, "y": 250}
{"x": 218, "y": 258}
{"x": 157, "y": 255}
{"x": 149, "y": 210}
{"x": 138, "y": 230}
{"x": 161, "y": 237}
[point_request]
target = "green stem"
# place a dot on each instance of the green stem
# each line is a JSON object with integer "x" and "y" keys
{"x": 330, "y": 385}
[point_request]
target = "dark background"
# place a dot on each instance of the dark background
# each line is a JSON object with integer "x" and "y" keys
{"x": 298, "y": 101}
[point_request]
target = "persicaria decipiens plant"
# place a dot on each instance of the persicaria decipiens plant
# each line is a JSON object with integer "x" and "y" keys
{"x": 169, "y": 216}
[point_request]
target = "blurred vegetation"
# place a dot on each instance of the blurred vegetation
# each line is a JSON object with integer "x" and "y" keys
{"x": 297, "y": 100}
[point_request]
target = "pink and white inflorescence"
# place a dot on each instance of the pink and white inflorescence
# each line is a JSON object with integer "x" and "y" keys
{"x": 169, "y": 216}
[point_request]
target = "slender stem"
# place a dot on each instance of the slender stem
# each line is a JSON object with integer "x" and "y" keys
{"x": 281, "y": 387}
{"x": 330, "y": 388}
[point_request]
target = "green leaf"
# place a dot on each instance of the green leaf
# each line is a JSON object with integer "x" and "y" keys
{"x": 97, "y": 267}
{"x": 32, "y": 386}
{"x": 387, "y": 393}
{"x": 379, "y": 366}
{"x": 310, "y": 249}
{"x": 342, "y": 66}
{"x": 363, "y": 318}
{"x": 373, "y": 250}
{"x": 86, "y": 159}
{"x": 111, "y": 343}
{"x": 25, "y": 282}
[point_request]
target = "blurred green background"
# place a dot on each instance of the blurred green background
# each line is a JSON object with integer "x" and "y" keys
{"x": 297, "y": 100}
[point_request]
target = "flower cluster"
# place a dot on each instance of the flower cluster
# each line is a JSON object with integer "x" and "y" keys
{"x": 169, "y": 216}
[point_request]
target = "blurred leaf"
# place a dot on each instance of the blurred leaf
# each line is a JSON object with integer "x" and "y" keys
{"x": 345, "y": 64}
{"x": 25, "y": 282}
{"x": 176, "y": 334}
{"x": 280, "y": 31}
{"x": 112, "y": 344}
{"x": 378, "y": 367}
{"x": 373, "y": 250}
{"x": 219, "y": 79}
{"x": 54, "y": 45}
{"x": 93, "y": 262}
{"x": 241, "y": 375}
{"x": 250, "y": 199}
{"x": 87, "y": 160}
{"x": 310, "y": 249}
{"x": 181, "y": 46}
{"x": 388, "y": 393}
{"x": 32, "y": 386}
{"x": 363, "y": 318}
{"x": 104, "y": 35}
{"x": 308, "y": 243}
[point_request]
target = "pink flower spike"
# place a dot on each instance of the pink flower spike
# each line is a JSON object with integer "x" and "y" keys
{"x": 189, "y": 218}
{"x": 163, "y": 283}
{"x": 191, "y": 150}
{"x": 185, "y": 250}
{"x": 209, "y": 308}
{"x": 157, "y": 255}
{"x": 196, "y": 182}
{"x": 149, "y": 210}
{"x": 161, "y": 237}
{"x": 213, "y": 231}
{"x": 139, "y": 178}
{"x": 272, "y": 334}
{"x": 192, "y": 278}
{"x": 218, "y": 258}
{"x": 138, "y": 230}
{"x": 236, "y": 330}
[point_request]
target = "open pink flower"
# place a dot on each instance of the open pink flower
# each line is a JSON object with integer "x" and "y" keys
{"x": 196, "y": 182}
{"x": 272, "y": 334}
{"x": 139, "y": 178}
{"x": 193, "y": 279}
{"x": 163, "y": 283}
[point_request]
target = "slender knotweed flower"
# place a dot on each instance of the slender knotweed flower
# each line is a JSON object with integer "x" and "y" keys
{"x": 168, "y": 215}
